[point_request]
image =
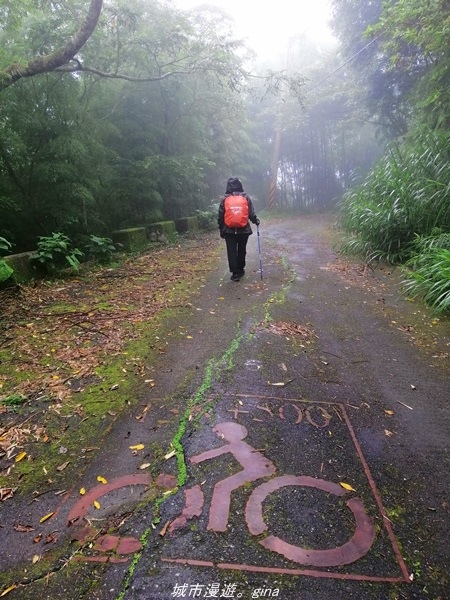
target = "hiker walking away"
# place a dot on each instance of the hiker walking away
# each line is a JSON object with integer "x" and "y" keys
{"x": 235, "y": 211}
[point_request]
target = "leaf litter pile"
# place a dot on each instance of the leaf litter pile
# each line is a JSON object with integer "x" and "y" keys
{"x": 291, "y": 329}
{"x": 53, "y": 335}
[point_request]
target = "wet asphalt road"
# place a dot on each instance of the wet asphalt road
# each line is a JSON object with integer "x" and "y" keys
{"x": 317, "y": 375}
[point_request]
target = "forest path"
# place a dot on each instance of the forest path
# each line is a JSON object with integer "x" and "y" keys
{"x": 315, "y": 401}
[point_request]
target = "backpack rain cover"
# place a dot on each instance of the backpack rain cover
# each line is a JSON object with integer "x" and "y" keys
{"x": 236, "y": 211}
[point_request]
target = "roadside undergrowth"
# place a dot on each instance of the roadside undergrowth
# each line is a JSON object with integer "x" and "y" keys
{"x": 77, "y": 352}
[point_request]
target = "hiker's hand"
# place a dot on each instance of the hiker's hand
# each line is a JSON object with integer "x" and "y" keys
{"x": 257, "y": 222}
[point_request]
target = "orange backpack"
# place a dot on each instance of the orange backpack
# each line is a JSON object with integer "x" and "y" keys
{"x": 236, "y": 211}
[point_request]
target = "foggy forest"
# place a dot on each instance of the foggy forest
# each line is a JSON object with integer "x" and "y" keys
{"x": 116, "y": 114}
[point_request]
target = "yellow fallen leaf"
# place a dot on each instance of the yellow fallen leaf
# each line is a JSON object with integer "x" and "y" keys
{"x": 83, "y": 491}
{"x": 145, "y": 466}
{"x": 96, "y": 504}
{"x": 55, "y": 377}
{"x": 10, "y": 589}
{"x": 170, "y": 454}
{"x": 101, "y": 479}
{"x": 20, "y": 456}
{"x": 389, "y": 412}
{"x": 189, "y": 337}
{"x": 347, "y": 486}
{"x": 35, "y": 559}
{"x": 46, "y": 517}
{"x": 137, "y": 447}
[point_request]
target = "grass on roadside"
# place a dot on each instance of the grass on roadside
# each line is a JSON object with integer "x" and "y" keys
{"x": 78, "y": 351}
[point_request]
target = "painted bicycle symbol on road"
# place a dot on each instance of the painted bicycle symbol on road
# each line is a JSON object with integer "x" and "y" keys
{"x": 256, "y": 466}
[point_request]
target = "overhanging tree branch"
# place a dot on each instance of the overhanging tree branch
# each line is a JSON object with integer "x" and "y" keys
{"x": 58, "y": 58}
{"x": 85, "y": 69}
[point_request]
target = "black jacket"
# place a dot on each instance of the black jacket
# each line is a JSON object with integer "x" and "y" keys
{"x": 234, "y": 187}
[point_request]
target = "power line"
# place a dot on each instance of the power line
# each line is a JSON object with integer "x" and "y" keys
{"x": 346, "y": 62}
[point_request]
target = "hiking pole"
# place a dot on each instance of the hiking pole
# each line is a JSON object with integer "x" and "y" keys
{"x": 259, "y": 251}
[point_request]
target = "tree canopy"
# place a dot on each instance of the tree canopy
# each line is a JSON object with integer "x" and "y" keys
{"x": 119, "y": 113}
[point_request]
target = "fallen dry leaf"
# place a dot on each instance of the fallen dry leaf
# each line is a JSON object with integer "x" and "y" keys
{"x": 347, "y": 486}
{"x": 137, "y": 447}
{"x": 389, "y": 412}
{"x": 6, "y": 493}
{"x": 23, "y": 528}
{"x": 388, "y": 433}
{"x": 20, "y": 456}
{"x": 36, "y": 558}
{"x": 170, "y": 454}
{"x": 163, "y": 531}
{"x": 63, "y": 466}
{"x": 145, "y": 466}
{"x": 47, "y": 517}
{"x": 9, "y": 589}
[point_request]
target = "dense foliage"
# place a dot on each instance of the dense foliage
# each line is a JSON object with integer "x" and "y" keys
{"x": 401, "y": 212}
{"x": 406, "y": 195}
{"x": 86, "y": 155}
{"x": 128, "y": 112}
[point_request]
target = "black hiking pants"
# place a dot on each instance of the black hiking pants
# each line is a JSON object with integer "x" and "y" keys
{"x": 236, "y": 251}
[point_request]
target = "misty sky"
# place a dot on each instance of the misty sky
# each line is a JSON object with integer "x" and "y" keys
{"x": 269, "y": 25}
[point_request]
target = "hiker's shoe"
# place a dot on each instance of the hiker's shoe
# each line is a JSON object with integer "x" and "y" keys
{"x": 235, "y": 277}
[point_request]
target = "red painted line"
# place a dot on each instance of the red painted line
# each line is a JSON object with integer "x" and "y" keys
{"x": 106, "y": 543}
{"x": 117, "y": 560}
{"x": 193, "y": 508}
{"x": 188, "y": 561}
{"x": 168, "y": 481}
{"x": 286, "y": 399}
{"x": 82, "y": 506}
{"x": 100, "y": 559}
{"x": 358, "y": 545}
{"x": 280, "y": 571}
{"x": 377, "y": 496}
{"x": 64, "y": 500}
{"x": 254, "y": 509}
{"x": 128, "y": 545}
